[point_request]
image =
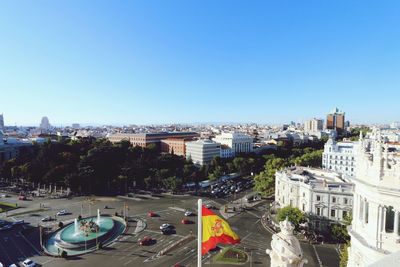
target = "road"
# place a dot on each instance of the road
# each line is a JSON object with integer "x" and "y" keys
{"x": 127, "y": 252}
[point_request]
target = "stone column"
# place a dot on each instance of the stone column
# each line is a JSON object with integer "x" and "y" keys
{"x": 384, "y": 220}
{"x": 396, "y": 223}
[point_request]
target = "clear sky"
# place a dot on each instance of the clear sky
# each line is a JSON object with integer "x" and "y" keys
{"x": 166, "y": 61}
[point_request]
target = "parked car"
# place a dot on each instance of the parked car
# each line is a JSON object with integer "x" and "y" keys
{"x": 62, "y": 212}
{"x": 145, "y": 241}
{"x": 28, "y": 263}
{"x": 22, "y": 198}
{"x": 13, "y": 265}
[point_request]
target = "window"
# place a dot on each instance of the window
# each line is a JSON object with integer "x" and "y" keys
{"x": 366, "y": 211}
{"x": 333, "y": 199}
{"x": 291, "y": 203}
{"x": 344, "y": 214}
{"x": 304, "y": 194}
{"x": 319, "y": 211}
{"x": 318, "y": 198}
{"x": 333, "y": 213}
{"x": 345, "y": 201}
{"x": 361, "y": 212}
{"x": 317, "y": 224}
{"x": 389, "y": 227}
{"x": 304, "y": 207}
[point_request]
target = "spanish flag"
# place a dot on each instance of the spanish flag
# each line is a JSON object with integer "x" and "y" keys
{"x": 215, "y": 230}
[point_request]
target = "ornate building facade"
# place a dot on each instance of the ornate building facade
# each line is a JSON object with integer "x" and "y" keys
{"x": 375, "y": 227}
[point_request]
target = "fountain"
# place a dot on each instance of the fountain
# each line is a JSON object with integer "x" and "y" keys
{"x": 82, "y": 236}
{"x": 76, "y": 227}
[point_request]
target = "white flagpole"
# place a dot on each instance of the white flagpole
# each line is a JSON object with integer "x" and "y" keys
{"x": 199, "y": 231}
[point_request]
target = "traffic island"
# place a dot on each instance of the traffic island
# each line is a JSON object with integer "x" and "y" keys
{"x": 232, "y": 256}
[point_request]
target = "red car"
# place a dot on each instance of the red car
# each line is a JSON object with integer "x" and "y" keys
{"x": 22, "y": 197}
{"x": 145, "y": 241}
{"x": 186, "y": 221}
{"x": 151, "y": 214}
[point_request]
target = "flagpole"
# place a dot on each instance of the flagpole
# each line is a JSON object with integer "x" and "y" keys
{"x": 199, "y": 231}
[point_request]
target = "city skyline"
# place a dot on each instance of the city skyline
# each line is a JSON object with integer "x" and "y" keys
{"x": 145, "y": 63}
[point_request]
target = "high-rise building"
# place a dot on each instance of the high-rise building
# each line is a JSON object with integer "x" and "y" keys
{"x": 44, "y": 124}
{"x": 313, "y": 126}
{"x": 1, "y": 122}
{"x": 375, "y": 228}
{"x": 336, "y": 121}
{"x": 201, "y": 152}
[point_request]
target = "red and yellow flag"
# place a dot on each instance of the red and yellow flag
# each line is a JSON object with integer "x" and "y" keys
{"x": 215, "y": 230}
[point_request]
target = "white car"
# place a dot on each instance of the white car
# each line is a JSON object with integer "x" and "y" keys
{"x": 13, "y": 265}
{"x": 62, "y": 212}
{"x": 188, "y": 213}
{"x": 28, "y": 263}
{"x": 165, "y": 226}
{"x": 46, "y": 219}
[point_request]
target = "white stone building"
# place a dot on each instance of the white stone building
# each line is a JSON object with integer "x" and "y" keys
{"x": 375, "y": 227}
{"x": 201, "y": 152}
{"x": 340, "y": 157}
{"x": 320, "y": 193}
{"x": 285, "y": 248}
{"x": 238, "y": 142}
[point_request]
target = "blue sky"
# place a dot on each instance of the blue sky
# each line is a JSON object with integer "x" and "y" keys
{"x": 126, "y": 62}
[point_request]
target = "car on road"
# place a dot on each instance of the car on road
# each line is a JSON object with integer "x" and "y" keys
{"x": 13, "y": 265}
{"x": 188, "y": 213}
{"x": 22, "y": 197}
{"x": 151, "y": 214}
{"x": 62, "y": 212}
{"x": 165, "y": 226}
{"x": 145, "y": 241}
{"x": 210, "y": 206}
{"x": 18, "y": 222}
{"x": 186, "y": 221}
{"x": 28, "y": 263}
{"x": 46, "y": 219}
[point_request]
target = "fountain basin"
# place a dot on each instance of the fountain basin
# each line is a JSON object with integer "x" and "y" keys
{"x": 110, "y": 228}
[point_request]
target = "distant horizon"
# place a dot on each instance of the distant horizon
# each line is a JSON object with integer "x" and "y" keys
{"x": 149, "y": 62}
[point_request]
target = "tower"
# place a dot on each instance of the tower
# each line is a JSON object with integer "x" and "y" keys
{"x": 285, "y": 248}
{"x": 375, "y": 227}
{"x": 44, "y": 124}
{"x": 336, "y": 121}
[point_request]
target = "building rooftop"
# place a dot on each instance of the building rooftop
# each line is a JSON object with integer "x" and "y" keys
{"x": 317, "y": 178}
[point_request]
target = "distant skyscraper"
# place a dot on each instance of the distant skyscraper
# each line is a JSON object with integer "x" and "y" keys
{"x": 313, "y": 125}
{"x": 1, "y": 122}
{"x": 335, "y": 121}
{"x": 76, "y": 126}
{"x": 44, "y": 124}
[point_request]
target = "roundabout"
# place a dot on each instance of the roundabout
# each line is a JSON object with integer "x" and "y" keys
{"x": 85, "y": 235}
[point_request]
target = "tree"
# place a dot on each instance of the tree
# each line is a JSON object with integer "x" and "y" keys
{"x": 339, "y": 231}
{"x": 344, "y": 254}
{"x": 293, "y": 214}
